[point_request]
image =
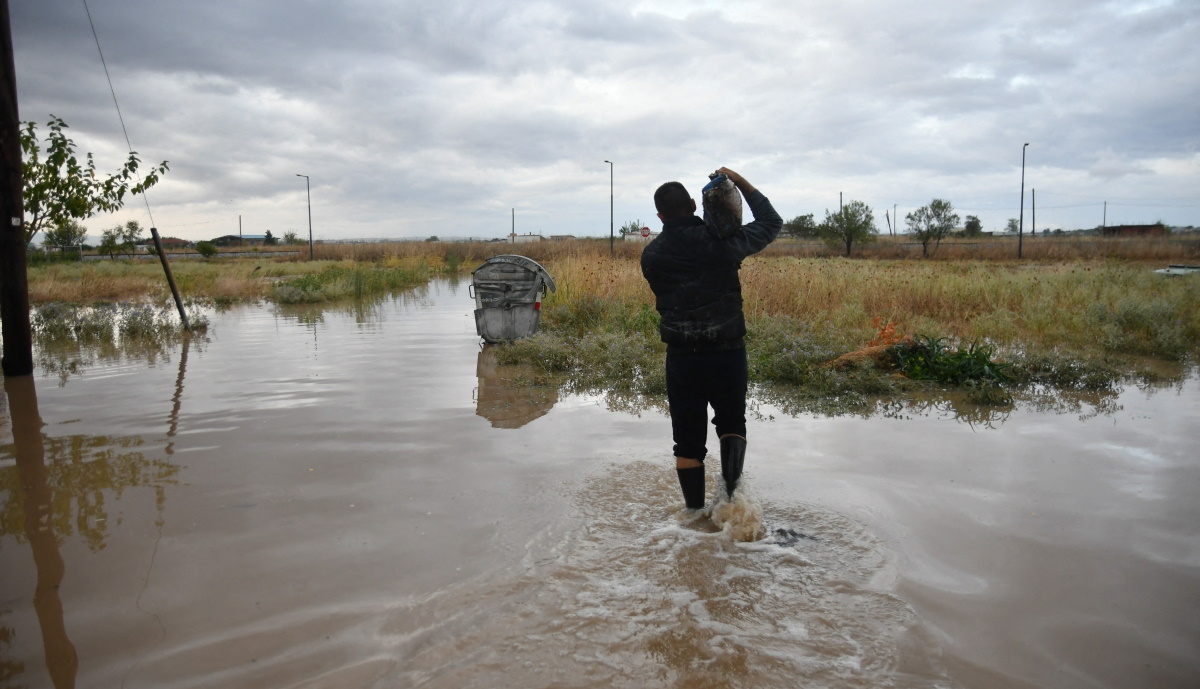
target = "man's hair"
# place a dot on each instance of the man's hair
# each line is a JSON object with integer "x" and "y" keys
{"x": 673, "y": 201}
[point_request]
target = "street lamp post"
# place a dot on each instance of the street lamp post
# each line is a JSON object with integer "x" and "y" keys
{"x": 308, "y": 190}
{"x": 610, "y": 208}
{"x": 1021, "y": 222}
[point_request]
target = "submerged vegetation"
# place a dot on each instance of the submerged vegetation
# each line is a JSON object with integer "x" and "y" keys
{"x": 70, "y": 337}
{"x": 824, "y": 333}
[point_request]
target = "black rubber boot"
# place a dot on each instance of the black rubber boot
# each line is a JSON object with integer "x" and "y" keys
{"x": 733, "y": 455}
{"x": 692, "y": 483}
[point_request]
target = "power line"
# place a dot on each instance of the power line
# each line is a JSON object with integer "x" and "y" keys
{"x": 117, "y": 105}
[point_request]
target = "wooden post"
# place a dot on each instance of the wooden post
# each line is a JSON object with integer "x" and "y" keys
{"x": 162, "y": 256}
{"x": 14, "y": 292}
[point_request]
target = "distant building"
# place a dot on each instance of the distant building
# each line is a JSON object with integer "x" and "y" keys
{"x": 1155, "y": 230}
{"x": 561, "y": 237}
{"x": 637, "y": 237}
{"x": 526, "y": 238}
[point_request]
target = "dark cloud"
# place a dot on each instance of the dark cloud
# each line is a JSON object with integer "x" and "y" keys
{"x": 455, "y": 112}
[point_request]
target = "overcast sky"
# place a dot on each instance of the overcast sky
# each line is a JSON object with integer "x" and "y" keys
{"x": 438, "y": 117}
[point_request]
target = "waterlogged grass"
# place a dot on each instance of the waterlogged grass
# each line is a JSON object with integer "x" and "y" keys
{"x": 595, "y": 361}
{"x": 71, "y": 337}
{"x": 996, "y": 333}
{"x": 122, "y": 322}
{"x": 237, "y": 280}
{"x": 349, "y": 280}
{"x": 1065, "y": 325}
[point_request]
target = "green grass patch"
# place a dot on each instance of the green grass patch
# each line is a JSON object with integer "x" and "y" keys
{"x": 344, "y": 281}
{"x": 931, "y": 358}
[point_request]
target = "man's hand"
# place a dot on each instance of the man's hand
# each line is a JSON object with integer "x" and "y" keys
{"x": 740, "y": 182}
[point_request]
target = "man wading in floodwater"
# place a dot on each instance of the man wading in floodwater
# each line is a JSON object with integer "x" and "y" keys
{"x": 693, "y": 271}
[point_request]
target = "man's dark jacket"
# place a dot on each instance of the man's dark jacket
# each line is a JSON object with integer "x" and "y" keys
{"x": 694, "y": 275}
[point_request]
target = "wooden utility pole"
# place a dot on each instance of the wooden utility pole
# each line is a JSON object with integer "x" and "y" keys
{"x": 162, "y": 256}
{"x": 14, "y": 292}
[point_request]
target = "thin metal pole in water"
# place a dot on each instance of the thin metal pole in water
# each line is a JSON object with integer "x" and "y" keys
{"x": 162, "y": 256}
{"x": 1021, "y": 222}
{"x": 308, "y": 190}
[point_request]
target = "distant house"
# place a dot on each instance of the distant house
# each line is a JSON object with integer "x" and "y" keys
{"x": 637, "y": 237}
{"x": 1155, "y": 230}
{"x": 243, "y": 240}
{"x": 561, "y": 237}
{"x": 526, "y": 238}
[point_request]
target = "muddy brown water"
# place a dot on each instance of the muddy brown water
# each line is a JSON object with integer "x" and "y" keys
{"x": 360, "y": 498}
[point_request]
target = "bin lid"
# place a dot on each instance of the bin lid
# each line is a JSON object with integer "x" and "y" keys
{"x": 525, "y": 262}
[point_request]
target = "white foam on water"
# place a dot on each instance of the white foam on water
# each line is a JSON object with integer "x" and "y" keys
{"x": 740, "y": 517}
{"x": 631, "y": 596}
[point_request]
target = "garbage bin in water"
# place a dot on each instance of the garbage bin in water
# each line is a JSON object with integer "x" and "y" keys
{"x": 508, "y": 292}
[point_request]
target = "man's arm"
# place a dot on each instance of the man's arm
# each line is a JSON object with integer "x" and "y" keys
{"x": 755, "y": 236}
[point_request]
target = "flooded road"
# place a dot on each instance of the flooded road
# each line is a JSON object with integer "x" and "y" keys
{"x": 358, "y": 497}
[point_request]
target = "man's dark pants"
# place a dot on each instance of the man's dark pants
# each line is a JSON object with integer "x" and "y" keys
{"x": 696, "y": 380}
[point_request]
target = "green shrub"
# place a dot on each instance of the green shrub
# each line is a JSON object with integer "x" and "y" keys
{"x": 930, "y": 358}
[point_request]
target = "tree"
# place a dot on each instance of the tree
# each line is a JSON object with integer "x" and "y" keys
{"x": 69, "y": 233}
{"x": 973, "y": 227}
{"x": 633, "y": 227}
{"x": 853, "y": 223}
{"x": 58, "y": 189}
{"x": 932, "y": 223}
{"x": 801, "y": 226}
{"x": 269, "y": 239}
{"x": 206, "y": 249}
{"x": 1013, "y": 226}
{"x": 121, "y": 239}
{"x": 290, "y": 237}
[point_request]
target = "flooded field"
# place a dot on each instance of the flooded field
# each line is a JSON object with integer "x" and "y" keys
{"x": 359, "y": 497}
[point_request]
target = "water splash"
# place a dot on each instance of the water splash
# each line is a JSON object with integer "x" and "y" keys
{"x": 740, "y": 517}
{"x": 633, "y": 597}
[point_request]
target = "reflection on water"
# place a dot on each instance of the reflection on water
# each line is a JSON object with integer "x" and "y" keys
{"x": 505, "y": 396}
{"x": 954, "y": 404}
{"x": 82, "y": 475}
{"x": 38, "y": 523}
{"x": 61, "y": 486}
